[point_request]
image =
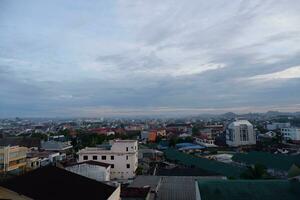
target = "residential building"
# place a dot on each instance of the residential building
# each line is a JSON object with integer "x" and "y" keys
{"x": 152, "y": 136}
{"x": 292, "y": 134}
{"x": 56, "y": 146}
{"x": 122, "y": 155}
{"x": 205, "y": 140}
{"x": 48, "y": 183}
{"x": 91, "y": 169}
{"x": 44, "y": 158}
{"x": 33, "y": 163}
{"x": 240, "y": 133}
{"x": 62, "y": 147}
{"x": 12, "y": 159}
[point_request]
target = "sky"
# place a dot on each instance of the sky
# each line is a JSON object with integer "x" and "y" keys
{"x": 62, "y": 58}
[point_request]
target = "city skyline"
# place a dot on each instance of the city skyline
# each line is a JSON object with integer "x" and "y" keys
{"x": 109, "y": 58}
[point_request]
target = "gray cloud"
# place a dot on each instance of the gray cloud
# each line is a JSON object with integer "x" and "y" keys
{"x": 123, "y": 57}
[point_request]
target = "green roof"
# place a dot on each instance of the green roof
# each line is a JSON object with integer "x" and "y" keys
{"x": 203, "y": 163}
{"x": 271, "y": 161}
{"x": 249, "y": 189}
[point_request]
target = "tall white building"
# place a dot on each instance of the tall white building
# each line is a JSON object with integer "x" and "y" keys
{"x": 291, "y": 134}
{"x": 122, "y": 155}
{"x": 240, "y": 133}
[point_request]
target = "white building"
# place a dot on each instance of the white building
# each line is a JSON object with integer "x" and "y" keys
{"x": 122, "y": 155}
{"x": 91, "y": 169}
{"x": 291, "y": 134}
{"x": 240, "y": 133}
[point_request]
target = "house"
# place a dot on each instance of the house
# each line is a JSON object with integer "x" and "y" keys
{"x": 168, "y": 187}
{"x": 64, "y": 148}
{"x": 122, "y": 155}
{"x": 91, "y": 169}
{"x": 56, "y": 146}
{"x": 240, "y": 133}
{"x": 48, "y": 183}
{"x": 277, "y": 125}
{"x": 152, "y": 136}
{"x": 292, "y": 134}
{"x": 43, "y": 158}
{"x": 12, "y": 159}
{"x": 205, "y": 140}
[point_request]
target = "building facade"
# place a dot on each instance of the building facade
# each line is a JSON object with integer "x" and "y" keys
{"x": 122, "y": 155}
{"x": 240, "y": 133}
{"x": 12, "y": 159}
{"x": 291, "y": 134}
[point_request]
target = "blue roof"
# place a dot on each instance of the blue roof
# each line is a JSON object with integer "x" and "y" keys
{"x": 185, "y": 144}
{"x": 191, "y": 147}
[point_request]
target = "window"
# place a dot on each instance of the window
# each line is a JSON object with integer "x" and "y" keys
{"x": 85, "y": 157}
{"x": 126, "y": 157}
{"x": 112, "y": 157}
{"x": 95, "y": 158}
{"x": 112, "y": 166}
{"x": 128, "y": 165}
{"x": 103, "y": 157}
{"x": 126, "y": 148}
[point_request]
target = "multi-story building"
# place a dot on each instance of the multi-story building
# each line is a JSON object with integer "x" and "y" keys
{"x": 12, "y": 159}
{"x": 291, "y": 134}
{"x": 240, "y": 133}
{"x": 122, "y": 155}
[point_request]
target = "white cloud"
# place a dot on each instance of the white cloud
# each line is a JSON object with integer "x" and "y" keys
{"x": 290, "y": 73}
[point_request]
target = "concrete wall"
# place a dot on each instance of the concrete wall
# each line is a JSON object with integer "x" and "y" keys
{"x": 95, "y": 172}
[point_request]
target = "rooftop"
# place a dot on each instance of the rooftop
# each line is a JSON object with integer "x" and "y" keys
{"x": 273, "y": 161}
{"x": 90, "y": 162}
{"x": 50, "y": 183}
{"x": 239, "y": 122}
{"x": 249, "y": 189}
{"x": 131, "y": 192}
{"x": 204, "y": 163}
{"x": 55, "y": 145}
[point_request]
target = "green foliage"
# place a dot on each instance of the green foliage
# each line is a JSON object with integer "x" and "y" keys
{"x": 139, "y": 170}
{"x": 258, "y": 171}
{"x": 195, "y": 130}
{"x": 90, "y": 140}
{"x": 40, "y": 136}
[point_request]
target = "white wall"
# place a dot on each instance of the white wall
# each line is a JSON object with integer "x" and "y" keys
{"x": 95, "y": 172}
{"x": 235, "y": 128}
{"x": 291, "y": 133}
{"x": 123, "y": 151}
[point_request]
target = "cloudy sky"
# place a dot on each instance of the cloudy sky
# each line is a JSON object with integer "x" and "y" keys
{"x": 134, "y": 57}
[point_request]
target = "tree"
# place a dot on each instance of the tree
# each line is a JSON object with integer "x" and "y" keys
{"x": 257, "y": 171}
{"x": 195, "y": 130}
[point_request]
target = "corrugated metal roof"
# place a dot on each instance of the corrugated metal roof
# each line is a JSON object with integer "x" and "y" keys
{"x": 249, "y": 189}
{"x": 203, "y": 163}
